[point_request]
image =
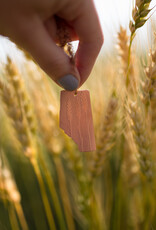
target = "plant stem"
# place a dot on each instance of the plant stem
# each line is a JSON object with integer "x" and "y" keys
{"x": 21, "y": 216}
{"x": 48, "y": 211}
{"x": 64, "y": 193}
{"x": 95, "y": 218}
{"x": 53, "y": 193}
{"x": 13, "y": 218}
{"x": 129, "y": 59}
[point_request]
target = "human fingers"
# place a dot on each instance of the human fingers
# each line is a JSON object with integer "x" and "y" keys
{"x": 87, "y": 27}
{"x": 51, "y": 58}
{"x": 51, "y": 26}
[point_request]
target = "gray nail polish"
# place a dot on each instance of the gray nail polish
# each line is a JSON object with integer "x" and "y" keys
{"x": 69, "y": 82}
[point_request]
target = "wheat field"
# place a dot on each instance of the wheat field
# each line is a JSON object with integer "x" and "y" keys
{"x": 45, "y": 182}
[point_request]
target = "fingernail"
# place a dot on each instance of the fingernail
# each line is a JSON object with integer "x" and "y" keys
{"x": 69, "y": 82}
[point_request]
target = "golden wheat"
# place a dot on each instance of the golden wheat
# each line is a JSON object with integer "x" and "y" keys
{"x": 142, "y": 141}
{"x": 123, "y": 42}
{"x": 139, "y": 14}
{"x": 105, "y": 137}
{"x": 14, "y": 113}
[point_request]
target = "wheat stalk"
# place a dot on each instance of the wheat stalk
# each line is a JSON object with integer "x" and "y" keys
{"x": 141, "y": 140}
{"x": 149, "y": 86}
{"x": 139, "y": 15}
{"x": 29, "y": 119}
{"x": 9, "y": 189}
{"x": 24, "y": 102}
{"x": 123, "y": 47}
{"x": 14, "y": 113}
{"x": 105, "y": 137}
{"x": 130, "y": 165}
{"x": 149, "y": 89}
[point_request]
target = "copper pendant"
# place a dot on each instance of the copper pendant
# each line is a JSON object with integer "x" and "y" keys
{"x": 76, "y": 119}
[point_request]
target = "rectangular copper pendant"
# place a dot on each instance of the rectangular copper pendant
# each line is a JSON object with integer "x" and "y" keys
{"x": 76, "y": 119}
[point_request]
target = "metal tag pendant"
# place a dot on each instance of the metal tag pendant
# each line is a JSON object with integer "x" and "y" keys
{"x": 76, "y": 119}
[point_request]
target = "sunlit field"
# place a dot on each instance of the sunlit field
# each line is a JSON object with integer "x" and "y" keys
{"x": 45, "y": 182}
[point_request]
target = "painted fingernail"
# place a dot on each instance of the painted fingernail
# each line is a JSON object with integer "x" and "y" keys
{"x": 69, "y": 82}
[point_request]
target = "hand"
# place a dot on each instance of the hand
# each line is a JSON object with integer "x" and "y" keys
{"x": 32, "y": 24}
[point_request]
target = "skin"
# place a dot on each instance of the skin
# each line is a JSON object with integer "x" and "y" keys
{"x": 32, "y": 25}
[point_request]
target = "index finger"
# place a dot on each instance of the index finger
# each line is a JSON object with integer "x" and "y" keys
{"x": 88, "y": 29}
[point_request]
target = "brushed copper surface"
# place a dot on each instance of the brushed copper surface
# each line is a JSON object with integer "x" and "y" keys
{"x": 76, "y": 119}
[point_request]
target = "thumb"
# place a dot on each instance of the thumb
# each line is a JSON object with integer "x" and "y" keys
{"x": 51, "y": 58}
